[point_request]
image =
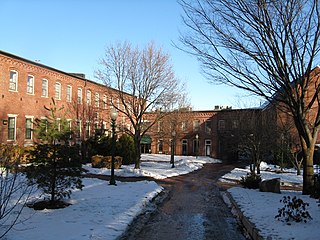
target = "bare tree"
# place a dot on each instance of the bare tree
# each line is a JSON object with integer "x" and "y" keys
{"x": 140, "y": 81}
{"x": 14, "y": 189}
{"x": 267, "y": 47}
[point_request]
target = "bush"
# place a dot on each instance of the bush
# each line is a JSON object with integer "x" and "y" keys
{"x": 251, "y": 181}
{"x": 103, "y": 146}
{"x": 316, "y": 187}
{"x": 99, "y": 146}
{"x": 125, "y": 149}
{"x": 294, "y": 210}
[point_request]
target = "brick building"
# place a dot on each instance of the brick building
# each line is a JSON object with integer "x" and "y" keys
{"x": 212, "y": 133}
{"x": 27, "y": 86}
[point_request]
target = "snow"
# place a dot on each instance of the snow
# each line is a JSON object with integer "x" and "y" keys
{"x": 262, "y": 207}
{"x": 103, "y": 211}
{"x": 100, "y": 210}
{"x": 289, "y": 177}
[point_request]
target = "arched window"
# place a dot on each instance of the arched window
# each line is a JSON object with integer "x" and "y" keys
{"x": 58, "y": 91}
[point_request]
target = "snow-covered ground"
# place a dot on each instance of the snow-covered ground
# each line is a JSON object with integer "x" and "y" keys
{"x": 101, "y": 211}
{"x": 262, "y": 207}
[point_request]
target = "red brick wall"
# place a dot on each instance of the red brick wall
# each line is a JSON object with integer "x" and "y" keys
{"x": 22, "y": 104}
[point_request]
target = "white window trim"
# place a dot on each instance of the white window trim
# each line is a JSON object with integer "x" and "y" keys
{"x": 16, "y": 82}
{"x": 105, "y": 101}
{"x": 69, "y": 97}
{"x": 33, "y": 83}
{"x": 32, "y": 118}
{"x": 55, "y": 91}
{"x": 47, "y": 87}
{"x": 15, "y": 127}
{"x": 88, "y": 97}
{"x": 97, "y": 100}
{"x": 79, "y": 97}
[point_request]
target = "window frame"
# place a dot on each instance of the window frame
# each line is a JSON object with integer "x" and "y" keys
{"x": 29, "y": 130}
{"x": 88, "y": 97}
{"x": 12, "y": 131}
{"x": 196, "y": 125}
{"x": 30, "y": 87}
{"x": 13, "y": 81}
{"x": 57, "y": 91}
{"x": 97, "y": 100}
{"x": 46, "y": 89}
{"x": 208, "y": 126}
{"x": 221, "y": 124}
{"x": 104, "y": 101}
{"x": 79, "y": 96}
{"x": 69, "y": 93}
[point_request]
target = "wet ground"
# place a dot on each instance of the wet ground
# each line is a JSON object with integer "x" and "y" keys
{"x": 191, "y": 207}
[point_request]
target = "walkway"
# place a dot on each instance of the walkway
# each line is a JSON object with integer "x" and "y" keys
{"x": 192, "y": 209}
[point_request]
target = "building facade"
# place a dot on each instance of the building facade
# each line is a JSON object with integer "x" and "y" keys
{"x": 27, "y": 87}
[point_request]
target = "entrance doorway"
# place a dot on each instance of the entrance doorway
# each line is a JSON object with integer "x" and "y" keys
{"x": 184, "y": 147}
{"x": 208, "y": 147}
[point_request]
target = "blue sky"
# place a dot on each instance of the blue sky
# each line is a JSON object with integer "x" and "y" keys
{"x": 71, "y": 35}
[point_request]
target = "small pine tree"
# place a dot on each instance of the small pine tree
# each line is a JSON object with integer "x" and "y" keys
{"x": 125, "y": 149}
{"x": 55, "y": 164}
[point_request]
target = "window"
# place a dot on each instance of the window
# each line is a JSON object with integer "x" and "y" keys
{"x": 28, "y": 135}
{"x": 58, "y": 124}
{"x": 13, "y": 84}
{"x": 69, "y": 93}
{"x": 104, "y": 102}
{"x": 196, "y": 146}
{"x": 69, "y": 122}
{"x": 44, "y": 122}
{"x": 44, "y": 88}
{"x": 221, "y": 124}
{"x": 79, "y": 96}
{"x": 96, "y": 100}
{"x": 96, "y": 116}
{"x": 87, "y": 129}
{"x": 88, "y": 97}
{"x": 196, "y": 125}
{"x": 30, "y": 84}
{"x": 208, "y": 126}
{"x": 78, "y": 128}
{"x": 184, "y": 126}
{"x": 111, "y": 102}
{"x": 58, "y": 91}
{"x": 12, "y": 128}
{"x": 160, "y": 126}
{"x": 118, "y": 103}
{"x": 235, "y": 124}
{"x": 184, "y": 147}
{"x": 160, "y": 146}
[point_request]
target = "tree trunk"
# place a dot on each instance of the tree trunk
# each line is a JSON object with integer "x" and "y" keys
{"x": 54, "y": 176}
{"x": 137, "y": 147}
{"x": 258, "y": 162}
{"x": 299, "y": 170}
{"x": 308, "y": 170}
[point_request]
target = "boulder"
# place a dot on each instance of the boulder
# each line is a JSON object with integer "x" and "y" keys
{"x": 99, "y": 161}
{"x": 271, "y": 185}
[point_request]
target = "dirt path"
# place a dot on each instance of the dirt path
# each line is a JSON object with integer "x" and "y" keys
{"x": 192, "y": 209}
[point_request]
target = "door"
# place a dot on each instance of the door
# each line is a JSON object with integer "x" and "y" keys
{"x": 208, "y": 147}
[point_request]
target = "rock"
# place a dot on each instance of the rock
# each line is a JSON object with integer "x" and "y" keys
{"x": 99, "y": 161}
{"x": 271, "y": 185}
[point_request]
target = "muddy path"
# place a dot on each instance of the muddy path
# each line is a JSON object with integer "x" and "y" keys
{"x": 191, "y": 207}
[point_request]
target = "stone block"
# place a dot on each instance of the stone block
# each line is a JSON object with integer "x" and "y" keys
{"x": 270, "y": 185}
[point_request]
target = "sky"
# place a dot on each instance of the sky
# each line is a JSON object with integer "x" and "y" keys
{"x": 72, "y": 35}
